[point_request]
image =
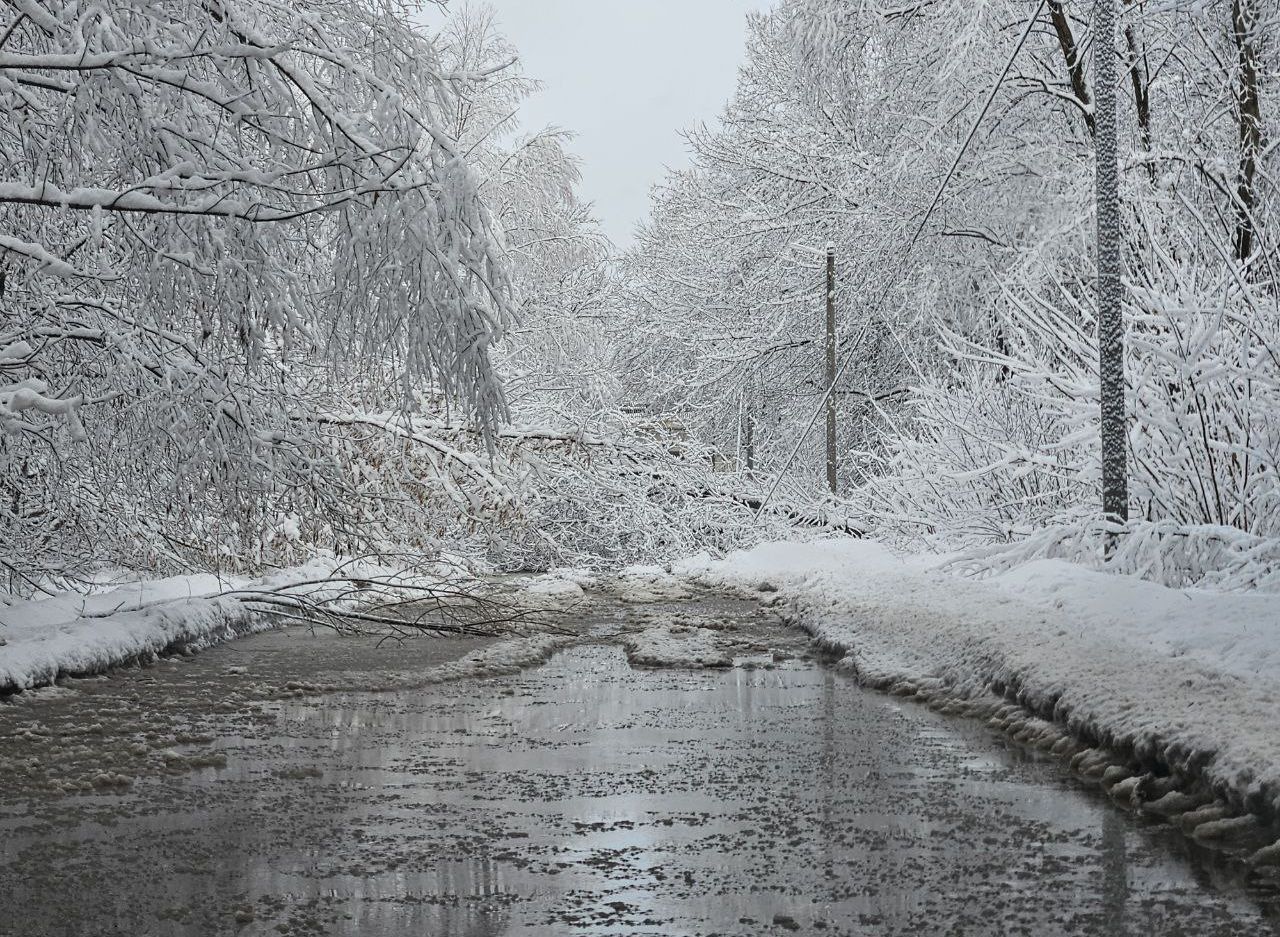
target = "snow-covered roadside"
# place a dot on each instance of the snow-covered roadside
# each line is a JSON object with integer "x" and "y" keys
{"x": 78, "y": 635}
{"x": 1181, "y": 682}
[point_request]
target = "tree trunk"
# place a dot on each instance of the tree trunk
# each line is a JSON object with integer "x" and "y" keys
{"x": 1140, "y": 78}
{"x": 1075, "y": 62}
{"x": 1244, "y": 28}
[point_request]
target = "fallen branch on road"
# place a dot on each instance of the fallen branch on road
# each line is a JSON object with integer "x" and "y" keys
{"x": 379, "y": 608}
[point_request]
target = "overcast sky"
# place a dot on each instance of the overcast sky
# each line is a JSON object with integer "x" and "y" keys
{"x": 627, "y": 76}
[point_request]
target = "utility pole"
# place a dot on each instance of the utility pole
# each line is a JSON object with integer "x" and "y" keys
{"x": 831, "y": 367}
{"x": 749, "y": 437}
{"x": 1115, "y": 473}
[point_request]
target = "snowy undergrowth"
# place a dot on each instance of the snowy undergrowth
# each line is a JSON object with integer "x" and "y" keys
{"x": 1204, "y": 556}
{"x": 1183, "y": 682}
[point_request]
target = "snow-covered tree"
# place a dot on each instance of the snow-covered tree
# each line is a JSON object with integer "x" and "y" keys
{"x": 848, "y": 118}
{"x": 727, "y": 280}
{"x": 555, "y": 363}
{"x": 224, "y": 225}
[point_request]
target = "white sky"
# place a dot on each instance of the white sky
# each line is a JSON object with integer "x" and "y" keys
{"x": 627, "y": 76}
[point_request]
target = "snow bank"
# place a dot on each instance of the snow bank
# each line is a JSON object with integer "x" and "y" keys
{"x": 72, "y": 634}
{"x": 38, "y": 651}
{"x": 1184, "y": 682}
{"x": 1236, "y": 635}
{"x": 75, "y": 635}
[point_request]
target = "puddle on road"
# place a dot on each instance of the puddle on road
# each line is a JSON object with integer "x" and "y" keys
{"x": 583, "y": 797}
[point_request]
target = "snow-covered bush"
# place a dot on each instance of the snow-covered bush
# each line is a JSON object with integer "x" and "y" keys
{"x": 1005, "y": 447}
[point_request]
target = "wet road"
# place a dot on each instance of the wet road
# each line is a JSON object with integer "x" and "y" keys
{"x": 224, "y": 796}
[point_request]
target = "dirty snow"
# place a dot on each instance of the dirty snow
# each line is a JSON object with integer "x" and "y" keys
{"x": 549, "y": 590}
{"x": 1185, "y": 678}
{"x": 646, "y": 584}
{"x": 508, "y": 656}
{"x": 676, "y": 645}
{"x": 501, "y": 658}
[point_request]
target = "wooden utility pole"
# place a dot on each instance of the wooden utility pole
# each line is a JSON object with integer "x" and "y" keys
{"x": 1115, "y": 474}
{"x": 749, "y": 438}
{"x": 831, "y": 368}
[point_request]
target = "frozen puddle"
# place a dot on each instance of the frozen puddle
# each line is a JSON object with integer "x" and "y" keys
{"x": 583, "y": 797}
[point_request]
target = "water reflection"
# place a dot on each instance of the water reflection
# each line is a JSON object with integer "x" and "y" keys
{"x": 1115, "y": 872}
{"x": 590, "y": 798}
